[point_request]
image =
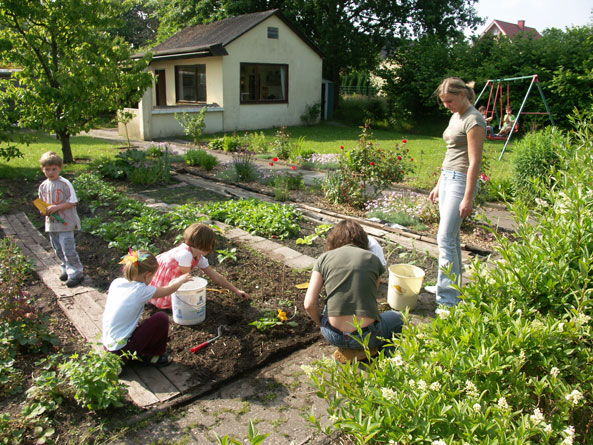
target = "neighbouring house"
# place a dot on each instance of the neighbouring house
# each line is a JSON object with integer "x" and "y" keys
{"x": 510, "y": 30}
{"x": 250, "y": 71}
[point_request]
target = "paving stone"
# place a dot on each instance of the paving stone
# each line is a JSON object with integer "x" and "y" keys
{"x": 301, "y": 262}
{"x": 283, "y": 253}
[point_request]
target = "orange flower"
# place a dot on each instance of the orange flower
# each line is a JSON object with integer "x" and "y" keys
{"x": 282, "y": 315}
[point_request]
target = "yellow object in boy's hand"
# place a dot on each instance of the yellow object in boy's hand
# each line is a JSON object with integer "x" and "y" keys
{"x": 42, "y": 206}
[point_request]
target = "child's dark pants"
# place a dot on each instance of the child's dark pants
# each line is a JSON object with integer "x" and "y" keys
{"x": 150, "y": 337}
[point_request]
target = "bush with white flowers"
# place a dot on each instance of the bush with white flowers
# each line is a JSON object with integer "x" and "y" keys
{"x": 512, "y": 363}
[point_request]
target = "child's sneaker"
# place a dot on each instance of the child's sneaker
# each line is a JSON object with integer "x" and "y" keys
{"x": 73, "y": 282}
{"x": 431, "y": 289}
{"x": 63, "y": 276}
{"x": 159, "y": 361}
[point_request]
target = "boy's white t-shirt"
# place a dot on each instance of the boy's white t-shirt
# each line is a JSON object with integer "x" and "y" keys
{"x": 124, "y": 306}
{"x": 184, "y": 258}
{"x": 377, "y": 250}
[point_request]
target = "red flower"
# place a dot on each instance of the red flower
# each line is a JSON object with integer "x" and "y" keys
{"x": 341, "y": 147}
{"x": 271, "y": 163}
{"x": 372, "y": 163}
{"x": 399, "y": 158}
{"x": 412, "y": 159}
{"x": 293, "y": 167}
{"x": 405, "y": 141}
{"x": 275, "y": 159}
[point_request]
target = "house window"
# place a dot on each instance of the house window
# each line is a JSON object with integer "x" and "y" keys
{"x": 272, "y": 32}
{"x": 264, "y": 83}
{"x": 190, "y": 83}
{"x": 161, "y": 88}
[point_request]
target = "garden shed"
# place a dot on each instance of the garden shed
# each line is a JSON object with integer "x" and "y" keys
{"x": 250, "y": 71}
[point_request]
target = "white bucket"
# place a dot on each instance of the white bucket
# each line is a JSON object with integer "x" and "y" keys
{"x": 405, "y": 282}
{"x": 189, "y": 302}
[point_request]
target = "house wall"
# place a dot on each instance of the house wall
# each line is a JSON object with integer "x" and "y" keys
{"x": 304, "y": 77}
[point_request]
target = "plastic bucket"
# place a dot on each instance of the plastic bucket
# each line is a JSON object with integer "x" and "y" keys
{"x": 189, "y": 302}
{"x": 405, "y": 282}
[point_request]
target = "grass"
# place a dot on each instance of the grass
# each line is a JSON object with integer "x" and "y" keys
{"x": 84, "y": 149}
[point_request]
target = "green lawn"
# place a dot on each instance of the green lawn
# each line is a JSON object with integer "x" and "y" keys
{"x": 84, "y": 149}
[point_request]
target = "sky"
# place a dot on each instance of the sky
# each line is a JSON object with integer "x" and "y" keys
{"x": 538, "y": 14}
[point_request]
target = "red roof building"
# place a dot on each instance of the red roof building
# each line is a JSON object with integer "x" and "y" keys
{"x": 511, "y": 30}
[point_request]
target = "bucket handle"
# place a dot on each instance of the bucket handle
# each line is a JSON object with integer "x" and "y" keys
{"x": 183, "y": 301}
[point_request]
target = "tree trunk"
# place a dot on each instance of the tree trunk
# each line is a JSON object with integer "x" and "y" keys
{"x": 66, "y": 149}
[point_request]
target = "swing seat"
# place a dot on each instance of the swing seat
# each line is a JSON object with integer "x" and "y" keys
{"x": 502, "y": 137}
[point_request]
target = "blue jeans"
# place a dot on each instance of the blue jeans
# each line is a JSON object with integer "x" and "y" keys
{"x": 451, "y": 192}
{"x": 390, "y": 323}
{"x": 65, "y": 247}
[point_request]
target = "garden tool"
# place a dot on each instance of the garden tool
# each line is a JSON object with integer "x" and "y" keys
{"x": 42, "y": 206}
{"x": 206, "y": 343}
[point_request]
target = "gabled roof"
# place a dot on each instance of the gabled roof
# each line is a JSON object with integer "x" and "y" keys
{"x": 511, "y": 29}
{"x": 212, "y": 38}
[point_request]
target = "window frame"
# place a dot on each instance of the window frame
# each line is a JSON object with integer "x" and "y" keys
{"x": 258, "y": 100}
{"x": 196, "y": 68}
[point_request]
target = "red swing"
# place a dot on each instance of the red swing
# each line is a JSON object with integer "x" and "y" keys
{"x": 499, "y": 137}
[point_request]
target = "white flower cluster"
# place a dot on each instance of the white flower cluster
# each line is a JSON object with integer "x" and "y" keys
{"x": 502, "y": 403}
{"x": 569, "y": 439}
{"x": 397, "y": 360}
{"x": 537, "y": 417}
{"x": 537, "y": 325}
{"x": 443, "y": 313}
{"x": 435, "y": 386}
{"x": 574, "y": 397}
{"x": 471, "y": 389}
{"x": 325, "y": 158}
{"x": 388, "y": 394}
{"x": 554, "y": 372}
{"x": 439, "y": 442}
{"x": 581, "y": 319}
{"x": 309, "y": 370}
{"x": 422, "y": 385}
{"x": 477, "y": 407}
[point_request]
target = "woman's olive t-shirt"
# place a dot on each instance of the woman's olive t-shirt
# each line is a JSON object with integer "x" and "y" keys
{"x": 350, "y": 277}
{"x": 455, "y": 135}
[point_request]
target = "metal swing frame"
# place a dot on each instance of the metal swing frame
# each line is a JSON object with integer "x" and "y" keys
{"x": 534, "y": 81}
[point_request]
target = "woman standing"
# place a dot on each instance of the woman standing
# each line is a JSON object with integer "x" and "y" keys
{"x": 457, "y": 185}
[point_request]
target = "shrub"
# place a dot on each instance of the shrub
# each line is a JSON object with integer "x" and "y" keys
{"x": 510, "y": 364}
{"x": 364, "y": 172}
{"x": 201, "y": 158}
{"x": 138, "y": 166}
{"x": 311, "y": 114}
{"x": 257, "y": 142}
{"x": 216, "y": 144}
{"x": 281, "y": 143}
{"x": 537, "y": 157}
{"x": 193, "y": 125}
{"x": 231, "y": 143}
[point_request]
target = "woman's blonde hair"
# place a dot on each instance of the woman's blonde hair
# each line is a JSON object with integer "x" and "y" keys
{"x": 347, "y": 232}
{"x": 200, "y": 236}
{"x": 454, "y": 85}
{"x": 138, "y": 263}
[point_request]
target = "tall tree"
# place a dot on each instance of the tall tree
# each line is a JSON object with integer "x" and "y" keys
{"x": 350, "y": 33}
{"x": 72, "y": 69}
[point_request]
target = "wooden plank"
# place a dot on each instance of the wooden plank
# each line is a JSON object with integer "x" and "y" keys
{"x": 93, "y": 310}
{"x": 156, "y": 382}
{"x": 82, "y": 322}
{"x": 181, "y": 376}
{"x": 138, "y": 392}
{"x": 7, "y": 227}
{"x": 32, "y": 231}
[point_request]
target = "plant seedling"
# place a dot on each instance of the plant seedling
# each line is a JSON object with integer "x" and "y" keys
{"x": 224, "y": 254}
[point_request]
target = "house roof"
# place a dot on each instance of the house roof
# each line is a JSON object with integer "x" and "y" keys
{"x": 212, "y": 38}
{"x": 511, "y": 29}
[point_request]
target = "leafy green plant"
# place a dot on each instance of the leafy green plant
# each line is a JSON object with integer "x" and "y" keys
{"x": 257, "y": 142}
{"x": 140, "y": 167}
{"x": 216, "y": 144}
{"x": 193, "y": 124}
{"x": 272, "y": 319}
{"x": 536, "y": 158}
{"x": 254, "y": 437}
{"x": 366, "y": 171}
{"x": 257, "y": 217}
{"x": 232, "y": 143}
{"x": 311, "y": 114}
{"x": 320, "y": 232}
{"x": 281, "y": 143}
{"x": 201, "y": 158}
{"x": 226, "y": 254}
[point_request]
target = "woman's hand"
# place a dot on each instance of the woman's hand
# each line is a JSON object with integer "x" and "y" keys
{"x": 465, "y": 207}
{"x": 434, "y": 195}
{"x": 242, "y": 294}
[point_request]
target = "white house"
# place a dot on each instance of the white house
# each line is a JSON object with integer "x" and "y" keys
{"x": 251, "y": 71}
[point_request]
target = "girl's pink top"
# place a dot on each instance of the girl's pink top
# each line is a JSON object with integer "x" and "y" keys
{"x": 169, "y": 269}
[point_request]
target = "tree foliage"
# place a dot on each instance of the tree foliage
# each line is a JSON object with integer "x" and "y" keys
{"x": 73, "y": 70}
{"x": 563, "y": 61}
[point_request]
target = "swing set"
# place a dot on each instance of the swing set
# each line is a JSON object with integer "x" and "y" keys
{"x": 496, "y": 90}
